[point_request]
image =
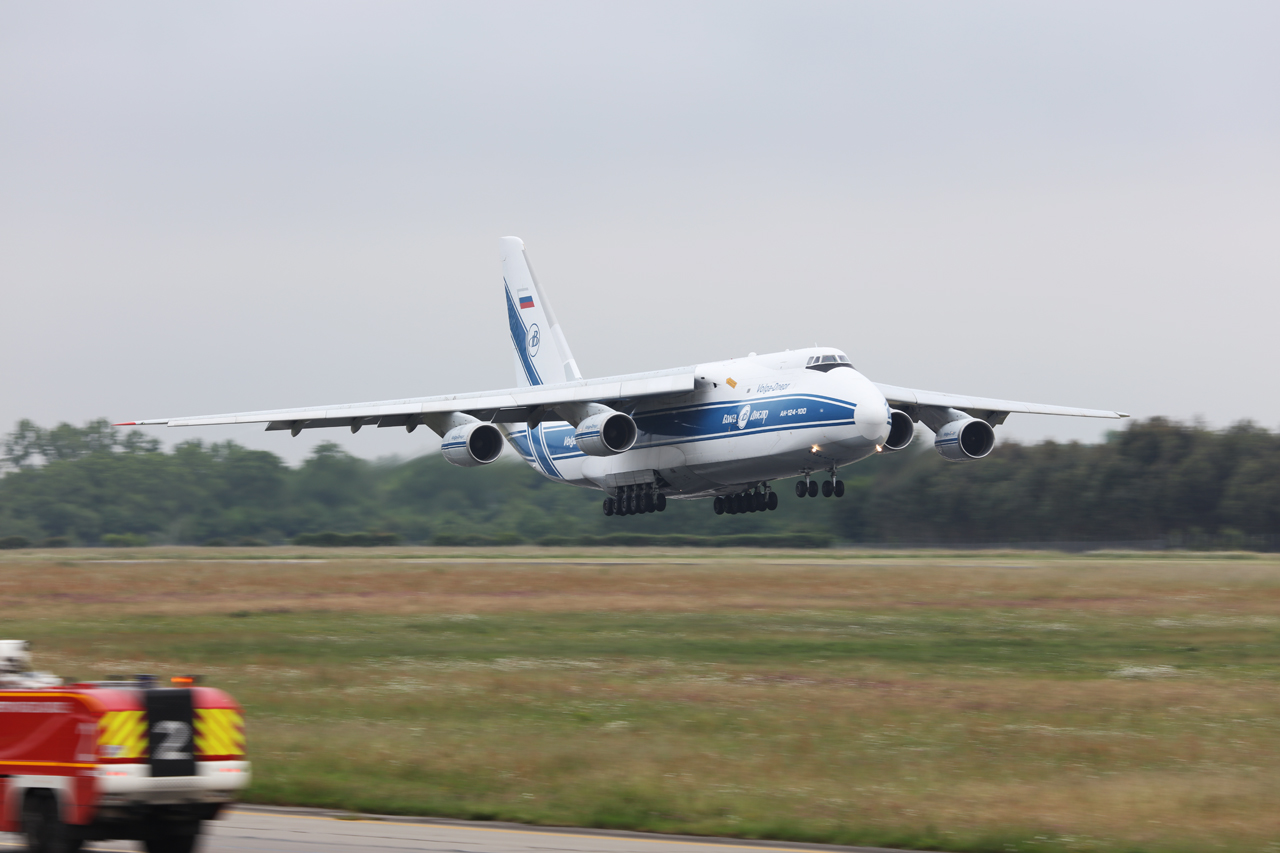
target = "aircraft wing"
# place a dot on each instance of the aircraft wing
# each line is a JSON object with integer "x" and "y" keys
{"x": 993, "y": 411}
{"x": 512, "y": 405}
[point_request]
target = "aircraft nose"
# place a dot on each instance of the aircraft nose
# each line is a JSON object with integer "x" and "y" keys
{"x": 873, "y": 414}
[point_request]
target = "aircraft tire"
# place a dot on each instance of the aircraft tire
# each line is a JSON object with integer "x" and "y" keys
{"x": 649, "y": 504}
{"x": 839, "y": 488}
{"x": 718, "y": 504}
{"x": 760, "y": 502}
{"x": 608, "y": 506}
{"x": 801, "y": 489}
{"x": 772, "y": 501}
{"x": 660, "y": 502}
{"x": 827, "y": 488}
{"x": 813, "y": 488}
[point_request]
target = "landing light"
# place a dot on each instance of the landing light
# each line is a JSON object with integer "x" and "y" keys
{"x": 879, "y": 448}
{"x": 814, "y": 449}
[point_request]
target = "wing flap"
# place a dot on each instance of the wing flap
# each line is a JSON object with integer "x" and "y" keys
{"x": 916, "y": 397}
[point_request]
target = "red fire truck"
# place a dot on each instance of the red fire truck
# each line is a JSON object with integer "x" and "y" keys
{"x": 124, "y": 759}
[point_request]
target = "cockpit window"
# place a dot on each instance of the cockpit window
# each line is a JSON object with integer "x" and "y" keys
{"x": 828, "y": 362}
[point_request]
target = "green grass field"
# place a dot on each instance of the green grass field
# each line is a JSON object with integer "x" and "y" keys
{"x": 960, "y": 701}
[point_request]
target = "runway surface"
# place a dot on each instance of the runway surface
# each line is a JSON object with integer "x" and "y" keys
{"x": 252, "y": 829}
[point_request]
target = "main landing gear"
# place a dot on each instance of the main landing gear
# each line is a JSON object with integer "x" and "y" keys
{"x": 761, "y": 499}
{"x": 635, "y": 500}
{"x": 809, "y": 488}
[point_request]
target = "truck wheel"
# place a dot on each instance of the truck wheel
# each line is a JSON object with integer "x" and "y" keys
{"x": 43, "y": 826}
{"x": 182, "y": 842}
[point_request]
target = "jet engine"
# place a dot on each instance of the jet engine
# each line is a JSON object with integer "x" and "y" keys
{"x": 964, "y": 439}
{"x": 901, "y": 430}
{"x": 472, "y": 444}
{"x": 606, "y": 434}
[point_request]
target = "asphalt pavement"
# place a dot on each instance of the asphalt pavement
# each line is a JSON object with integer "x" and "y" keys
{"x": 258, "y": 829}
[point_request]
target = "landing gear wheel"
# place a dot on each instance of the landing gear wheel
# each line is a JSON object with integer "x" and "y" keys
{"x": 761, "y": 502}
{"x": 813, "y": 488}
{"x": 801, "y": 489}
{"x": 718, "y": 503}
{"x": 648, "y": 503}
{"x": 608, "y": 506}
{"x": 839, "y": 488}
{"x": 827, "y": 488}
{"x": 660, "y": 502}
{"x": 771, "y": 503}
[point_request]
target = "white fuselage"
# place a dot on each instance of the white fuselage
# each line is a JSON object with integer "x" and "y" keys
{"x": 748, "y": 421}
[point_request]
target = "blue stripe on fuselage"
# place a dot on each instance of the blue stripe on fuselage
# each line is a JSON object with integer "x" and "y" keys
{"x": 532, "y": 446}
{"x": 707, "y": 422}
{"x": 767, "y": 414}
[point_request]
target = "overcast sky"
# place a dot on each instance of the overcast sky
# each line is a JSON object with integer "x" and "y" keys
{"x": 223, "y": 207}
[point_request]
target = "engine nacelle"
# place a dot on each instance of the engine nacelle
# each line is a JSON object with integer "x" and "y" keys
{"x": 901, "y": 431}
{"x": 962, "y": 440}
{"x": 606, "y": 434}
{"x": 472, "y": 444}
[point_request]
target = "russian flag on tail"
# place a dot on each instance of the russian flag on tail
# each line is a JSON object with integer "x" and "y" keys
{"x": 526, "y": 300}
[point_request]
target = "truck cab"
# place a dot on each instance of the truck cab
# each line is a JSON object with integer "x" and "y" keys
{"x": 121, "y": 759}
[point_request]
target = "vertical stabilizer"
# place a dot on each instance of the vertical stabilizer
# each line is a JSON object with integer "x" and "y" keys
{"x": 542, "y": 353}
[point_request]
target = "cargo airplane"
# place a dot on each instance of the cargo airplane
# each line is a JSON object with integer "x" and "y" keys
{"x": 722, "y": 430}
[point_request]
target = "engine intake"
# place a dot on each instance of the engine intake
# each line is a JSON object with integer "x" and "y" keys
{"x": 962, "y": 440}
{"x": 606, "y": 434}
{"x": 472, "y": 444}
{"x": 901, "y": 431}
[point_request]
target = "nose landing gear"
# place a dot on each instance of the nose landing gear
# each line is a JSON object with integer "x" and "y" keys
{"x": 809, "y": 488}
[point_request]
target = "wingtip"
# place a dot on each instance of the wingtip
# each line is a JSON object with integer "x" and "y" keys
{"x": 1123, "y": 414}
{"x": 126, "y": 423}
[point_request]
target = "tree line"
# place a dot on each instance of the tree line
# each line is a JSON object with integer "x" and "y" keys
{"x": 1155, "y": 481}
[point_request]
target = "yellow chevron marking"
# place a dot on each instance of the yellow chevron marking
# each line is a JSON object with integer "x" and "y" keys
{"x": 122, "y": 734}
{"x": 219, "y": 731}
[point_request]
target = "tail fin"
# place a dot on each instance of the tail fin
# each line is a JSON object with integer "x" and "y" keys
{"x": 542, "y": 353}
